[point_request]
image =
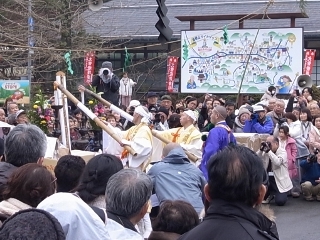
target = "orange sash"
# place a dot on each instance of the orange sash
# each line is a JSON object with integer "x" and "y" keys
{"x": 176, "y": 135}
{"x": 131, "y": 133}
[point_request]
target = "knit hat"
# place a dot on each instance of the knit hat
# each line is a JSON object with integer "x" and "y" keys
{"x": 106, "y": 65}
{"x": 244, "y": 110}
{"x": 222, "y": 111}
{"x": 166, "y": 97}
{"x": 164, "y": 110}
{"x": 32, "y": 224}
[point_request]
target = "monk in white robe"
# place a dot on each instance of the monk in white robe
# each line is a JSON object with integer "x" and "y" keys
{"x": 139, "y": 137}
{"x": 188, "y": 136}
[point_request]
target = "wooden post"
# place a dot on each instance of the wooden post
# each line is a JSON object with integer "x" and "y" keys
{"x": 192, "y": 23}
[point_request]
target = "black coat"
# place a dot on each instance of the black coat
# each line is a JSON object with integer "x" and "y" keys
{"x": 110, "y": 90}
{"x": 229, "y": 221}
{"x": 6, "y": 170}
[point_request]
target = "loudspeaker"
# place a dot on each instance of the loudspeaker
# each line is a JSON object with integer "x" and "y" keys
{"x": 304, "y": 81}
{"x": 95, "y": 5}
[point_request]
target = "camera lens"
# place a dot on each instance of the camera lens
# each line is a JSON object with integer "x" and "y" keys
{"x": 105, "y": 72}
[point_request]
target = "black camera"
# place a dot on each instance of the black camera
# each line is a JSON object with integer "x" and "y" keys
{"x": 313, "y": 157}
{"x": 281, "y": 121}
{"x": 265, "y": 146}
{"x": 106, "y": 72}
{"x": 157, "y": 118}
{"x": 131, "y": 110}
{"x": 254, "y": 116}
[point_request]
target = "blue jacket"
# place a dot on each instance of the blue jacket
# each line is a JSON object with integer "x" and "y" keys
{"x": 311, "y": 172}
{"x": 218, "y": 138}
{"x": 175, "y": 178}
{"x": 253, "y": 126}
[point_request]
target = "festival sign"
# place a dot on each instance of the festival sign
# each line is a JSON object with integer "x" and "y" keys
{"x": 211, "y": 64}
{"x": 172, "y": 64}
{"x": 309, "y": 61}
{"x": 18, "y": 90}
{"x": 89, "y": 62}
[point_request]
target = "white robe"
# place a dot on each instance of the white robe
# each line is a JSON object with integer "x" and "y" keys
{"x": 142, "y": 144}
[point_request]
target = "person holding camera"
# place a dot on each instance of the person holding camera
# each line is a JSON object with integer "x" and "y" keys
{"x": 108, "y": 83}
{"x": 295, "y": 132}
{"x": 160, "y": 119}
{"x": 311, "y": 177}
{"x": 259, "y": 122}
{"x": 275, "y": 161}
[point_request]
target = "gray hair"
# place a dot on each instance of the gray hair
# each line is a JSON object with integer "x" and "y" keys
{"x": 169, "y": 147}
{"x": 127, "y": 192}
{"x": 24, "y": 144}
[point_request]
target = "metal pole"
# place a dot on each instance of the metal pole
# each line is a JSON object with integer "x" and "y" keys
{"x": 30, "y": 40}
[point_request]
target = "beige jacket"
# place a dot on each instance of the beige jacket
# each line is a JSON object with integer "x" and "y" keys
{"x": 279, "y": 163}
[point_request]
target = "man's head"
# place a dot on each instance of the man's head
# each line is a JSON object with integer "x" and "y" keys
{"x": 140, "y": 113}
{"x": 314, "y": 109}
{"x": 68, "y": 172}
{"x": 272, "y": 104}
{"x": 230, "y": 107}
{"x": 169, "y": 147}
{"x": 127, "y": 194}
{"x": 236, "y": 175}
{"x": 24, "y": 144}
{"x": 2, "y": 115}
{"x": 21, "y": 117}
{"x": 209, "y": 104}
{"x": 166, "y": 101}
{"x": 218, "y": 114}
{"x": 188, "y": 118}
{"x": 274, "y": 141}
{"x": 152, "y": 98}
{"x": 12, "y": 108}
{"x": 279, "y": 107}
{"x": 216, "y": 102}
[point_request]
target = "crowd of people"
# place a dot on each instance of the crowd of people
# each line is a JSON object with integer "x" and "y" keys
{"x": 187, "y": 178}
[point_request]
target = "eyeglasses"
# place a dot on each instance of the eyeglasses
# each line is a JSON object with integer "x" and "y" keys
{"x": 54, "y": 180}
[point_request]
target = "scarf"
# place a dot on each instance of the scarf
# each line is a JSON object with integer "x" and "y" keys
{"x": 11, "y": 206}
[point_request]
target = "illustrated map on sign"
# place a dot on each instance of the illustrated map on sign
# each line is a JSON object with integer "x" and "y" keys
{"x": 211, "y": 64}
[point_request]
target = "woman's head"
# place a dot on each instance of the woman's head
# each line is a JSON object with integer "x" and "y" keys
{"x": 30, "y": 184}
{"x": 283, "y": 132}
{"x": 176, "y": 217}
{"x": 96, "y": 175}
{"x": 296, "y": 112}
{"x": 290, "y": 117}
{"x": 305, "y": 115}
{"x": 307, "y": 92}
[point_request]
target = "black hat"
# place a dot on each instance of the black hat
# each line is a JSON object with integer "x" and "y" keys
{"x": 153, "y": 108}
{"x": 152, "y": 94}
{"x": 164, "y": 110}
{"x": 32, "y": 224}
